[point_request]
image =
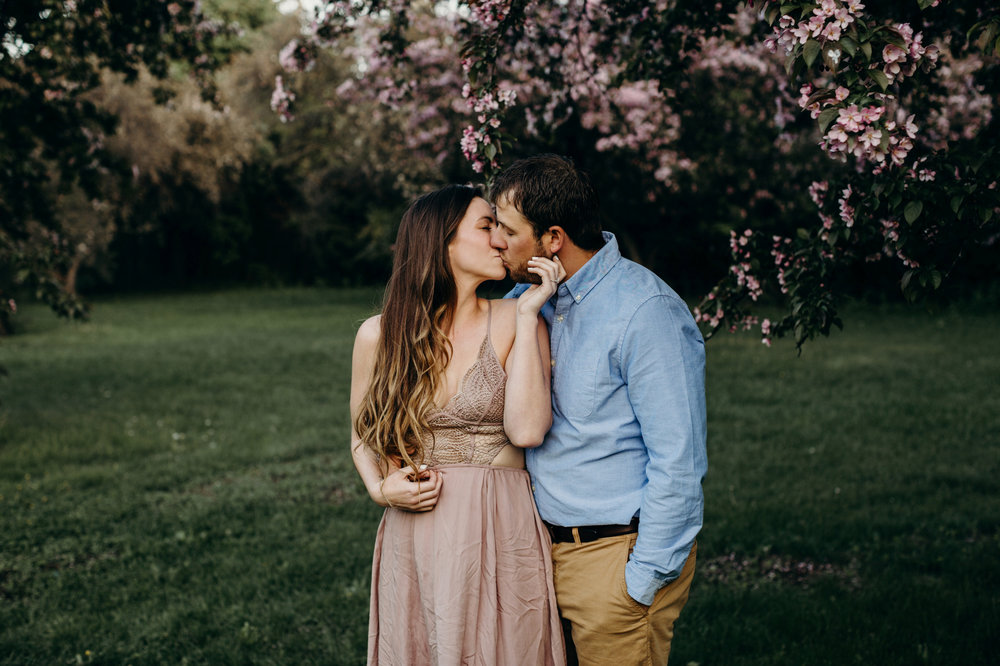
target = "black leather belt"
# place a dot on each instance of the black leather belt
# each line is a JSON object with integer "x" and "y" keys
{"x": 590, "y": 533}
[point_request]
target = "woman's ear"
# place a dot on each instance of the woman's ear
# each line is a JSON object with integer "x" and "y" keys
{"x": 554, "y": 239}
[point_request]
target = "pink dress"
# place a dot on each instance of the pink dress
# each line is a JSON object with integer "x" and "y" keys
{"x": 469, "y": 582}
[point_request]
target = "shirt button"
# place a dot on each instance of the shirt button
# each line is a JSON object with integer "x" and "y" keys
{"x": 560, "y": 318}
{"x": 532, "y": 487}
{"x": 578, "y": 297}
{"x": 552, "y": 362}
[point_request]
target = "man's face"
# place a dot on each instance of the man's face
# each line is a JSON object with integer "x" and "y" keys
{"x": 514, "y": 237}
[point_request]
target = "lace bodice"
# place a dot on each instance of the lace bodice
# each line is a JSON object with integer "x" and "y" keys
{"x": 469, "y": 428}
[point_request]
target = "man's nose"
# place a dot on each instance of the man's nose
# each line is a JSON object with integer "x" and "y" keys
{"x": 496, "y": 240}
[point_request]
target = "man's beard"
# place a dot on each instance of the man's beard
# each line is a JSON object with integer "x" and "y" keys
{"x": 519, "y": 273}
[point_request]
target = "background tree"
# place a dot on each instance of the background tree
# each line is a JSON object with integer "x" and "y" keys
{"x": 52, "y": 55}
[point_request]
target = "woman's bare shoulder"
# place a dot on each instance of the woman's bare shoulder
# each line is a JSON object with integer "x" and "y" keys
{"x": 368, "y": 332}
{"x": 504, "y": 306}
{"x": 504, "y": 312}
{"x": 504, "y": 325}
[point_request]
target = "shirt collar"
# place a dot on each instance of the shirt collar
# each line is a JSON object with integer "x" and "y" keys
{"x": 594, "y": 270}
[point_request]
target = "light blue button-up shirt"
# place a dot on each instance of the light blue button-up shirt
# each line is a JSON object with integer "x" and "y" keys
{"x": 628, "y": 407}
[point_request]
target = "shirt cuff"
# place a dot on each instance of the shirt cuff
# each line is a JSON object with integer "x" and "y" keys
{"x": 643, "y": 582}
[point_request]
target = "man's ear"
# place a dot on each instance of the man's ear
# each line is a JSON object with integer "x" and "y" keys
{"x": 554, "y": 239}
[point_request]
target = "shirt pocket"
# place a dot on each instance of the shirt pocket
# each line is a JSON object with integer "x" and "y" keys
{"x": 574, "y": 383}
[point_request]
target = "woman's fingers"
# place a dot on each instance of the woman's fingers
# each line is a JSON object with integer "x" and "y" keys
{"x": 551, "y": 271}
{"x": 421, "y": 494}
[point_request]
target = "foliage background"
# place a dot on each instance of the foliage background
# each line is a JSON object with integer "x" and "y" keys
{"x": 202, "y": 193}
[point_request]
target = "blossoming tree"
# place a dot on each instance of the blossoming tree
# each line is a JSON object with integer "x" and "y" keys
{"x": 900, "y": 95}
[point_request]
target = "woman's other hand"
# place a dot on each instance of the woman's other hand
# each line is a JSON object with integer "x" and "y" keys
{"x": 409, "y": 491}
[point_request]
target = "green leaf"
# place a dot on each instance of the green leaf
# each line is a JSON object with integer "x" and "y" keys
{"x": 810, "y": 51}
{"x": 826, "y": 117}
{"x": 985, "y": 214}
{"x": 985, "y": 41}
{"x": 491, "y": 151}
{"x": 879, "y": 77}
{"x": 802, "y": 233}
{"x": 866, "y": 48}
{"x": 936, "y": 278}
{"x": 790, "y": 63}
{"x": 772, "y": 14}
{"x": 819, "y": 96}
{"x": 905, "y": 282}
{"x": 956, "y": 202}
{"x": 912, "y": 211}
{"x": 892, "y": 36}
{"x": 848, "y": 45}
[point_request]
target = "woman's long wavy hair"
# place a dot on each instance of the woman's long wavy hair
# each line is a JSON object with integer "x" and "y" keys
{"x": 413, "y": 348}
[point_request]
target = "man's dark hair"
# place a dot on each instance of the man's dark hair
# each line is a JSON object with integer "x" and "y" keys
{"x": 550, "y": 191}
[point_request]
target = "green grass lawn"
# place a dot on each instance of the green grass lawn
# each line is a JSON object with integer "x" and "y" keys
{"x": 176, "y": 487}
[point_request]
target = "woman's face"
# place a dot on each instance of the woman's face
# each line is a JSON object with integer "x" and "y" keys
{"x": 470, "y": 251}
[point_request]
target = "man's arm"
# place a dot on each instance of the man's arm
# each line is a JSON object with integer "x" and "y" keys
{"x": 663, "y": 364}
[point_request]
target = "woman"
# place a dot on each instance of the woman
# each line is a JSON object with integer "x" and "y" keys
{"x": 446, "y": 390}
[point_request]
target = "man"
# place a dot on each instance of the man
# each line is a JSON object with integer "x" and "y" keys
{"x": 618, "y": 477}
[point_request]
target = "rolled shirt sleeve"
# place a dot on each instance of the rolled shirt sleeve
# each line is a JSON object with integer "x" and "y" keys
{"x": 663, "y": 364}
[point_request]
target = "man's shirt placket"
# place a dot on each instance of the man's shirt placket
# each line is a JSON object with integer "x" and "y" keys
{"x": 558, "y": 324}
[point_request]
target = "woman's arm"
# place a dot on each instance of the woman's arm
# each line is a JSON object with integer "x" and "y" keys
{"x": 528, "y": 399}
{"x": 527, "y": 414}
{"x": 387, "y": 484}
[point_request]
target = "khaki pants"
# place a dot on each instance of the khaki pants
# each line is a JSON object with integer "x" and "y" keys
{"x": 607, "y": 626}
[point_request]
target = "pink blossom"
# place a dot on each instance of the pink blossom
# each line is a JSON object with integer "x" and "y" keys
{"x": 892, "y": 53}
{"x": 831, "y": 32}
{"x": 871, "y": 137}
{"x": 817, "y": 190}
{"x": 872, "y": 113}
{"x": 816, "y": 25}
{"x": 842, "y": 18}
{"x": 801, "y": 33}
{"x": 281, "y": 100}
{"x": 826, "y": 8}
{"x": 846, "y": 210}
